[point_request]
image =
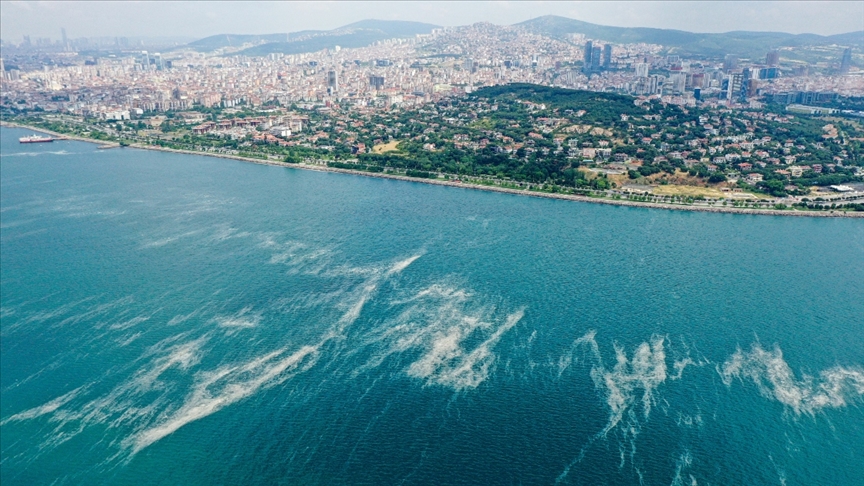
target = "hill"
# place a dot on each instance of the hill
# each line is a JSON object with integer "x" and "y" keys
{"x": 742, "y": 43}
{"x": 233, "y": 40}
{"x": 391, "y": 28}
{"x": 358, "y": 34}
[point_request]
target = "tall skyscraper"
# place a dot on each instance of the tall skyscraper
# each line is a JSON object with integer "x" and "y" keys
{"x": 697, "y": 80}
{"x": 586, "y": 57}
{"x": 596, "y": 52}
{"x": 733, "y": 89}
{"x": 607, "y": 56}
{"x": 376, "y": 82}
{"x": 772, "y": 58}
{"x": 332, "y": 81}
{"x": 846, "y": 60}
{"x": 744, "y": 90}
{"x": 768, "y": 73}
{"x": 730, "y": 62}
{"x": 63, "y": 35}
{"x": 752, "y": 87}
{"x": 642, "y": 70}
{"x": 145, "y": 60}
{"x": 678, "y": 82}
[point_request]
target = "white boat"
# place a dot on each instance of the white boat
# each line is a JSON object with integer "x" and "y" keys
{"x": 35, "y": 139}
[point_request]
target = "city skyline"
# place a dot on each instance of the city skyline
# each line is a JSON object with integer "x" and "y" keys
{"x": 171, "y": 19}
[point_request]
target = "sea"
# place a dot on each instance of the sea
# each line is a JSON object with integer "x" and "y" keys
{"x": 182, "y": 319}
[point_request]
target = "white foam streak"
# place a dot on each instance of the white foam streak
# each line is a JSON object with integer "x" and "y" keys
{"x": 448, "y": 364}
{"x": 36, "y": 154}
{"x": 455, "y": 345}
{"x": 170, "y": 239}
{"x": 645, "y": 371}
{"x": 402, "y": 265}
{"x": 44, "y": 409}
{"x": 142, "y": 400}
{"x": 775, "y": 379}
{"x": 130, "y": 323}
{"x": 679, "y": 366}
{"x": 224, "y": 387}
{"x": 244, "y": 318}
{"x": 181, "y": 318}
{"x": 565, "y": 360}
{"x": 227, "y": 385}
{"x": 684, "y": 461}
{"x": 182, "y": 356}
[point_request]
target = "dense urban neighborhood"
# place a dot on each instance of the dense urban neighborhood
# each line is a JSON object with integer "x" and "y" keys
{"x": 515, "y": 107}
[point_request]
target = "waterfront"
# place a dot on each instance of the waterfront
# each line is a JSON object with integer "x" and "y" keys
{"x": 196, "y": 320}
{"x": 713, "y": 207}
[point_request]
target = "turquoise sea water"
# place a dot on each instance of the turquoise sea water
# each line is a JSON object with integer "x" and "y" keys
{"x": 179, "y": 319}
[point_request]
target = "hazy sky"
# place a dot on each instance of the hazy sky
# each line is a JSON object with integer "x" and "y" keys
{"x": 200, "y": 18}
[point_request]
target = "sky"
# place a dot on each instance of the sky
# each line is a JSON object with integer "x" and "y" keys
{"x": 203, "y": 18}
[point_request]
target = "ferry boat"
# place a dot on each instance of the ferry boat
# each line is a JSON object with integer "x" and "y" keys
{"x": 35, "y": 139}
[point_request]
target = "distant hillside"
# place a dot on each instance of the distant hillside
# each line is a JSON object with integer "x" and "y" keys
{"x": 358, "y": 34}
{"x": 745, "y": 44}
{"x": 391, "y": 28}
{"x": 232, "y": 40}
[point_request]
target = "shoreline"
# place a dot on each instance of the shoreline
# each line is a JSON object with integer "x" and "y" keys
{"x": 464, "y": 185}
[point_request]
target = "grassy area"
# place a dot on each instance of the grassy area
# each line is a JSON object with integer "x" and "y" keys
{"x": 694, "y": 191}
{"x": 385, "y": 147}
{"x": 837, "y": 119}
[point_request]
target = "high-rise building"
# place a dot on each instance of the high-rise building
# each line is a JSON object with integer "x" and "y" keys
{"x": 468, "y": 65}
{"x": 586, "y": 57}
{"x": 656, "y": 83}
{"x": 752, "y": 87}
{"x": 744, "y": 90}
{"x": 63, "y": 35}
{"x": 145, "y": 60}
{"x": 730, "y": 62}
{"x": 642, "y": 69}
{"x": 607, "y": 56}
{"x": 376, "y": 82}
{"x": 733, "y": 88}
{"x": 596, "y": 52}
{"x": 333, "y": 81}
{"x": 768, "y": 73}
{"x": 846, "y": 60}
{"x": 570, "y": 77}
{"x": 772, "y": 58}
{"x": 678, "y": 81}
{"x": 698, "y": 80}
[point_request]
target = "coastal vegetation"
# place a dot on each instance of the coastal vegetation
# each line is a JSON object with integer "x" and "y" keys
{"x": 537, "y": 138}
